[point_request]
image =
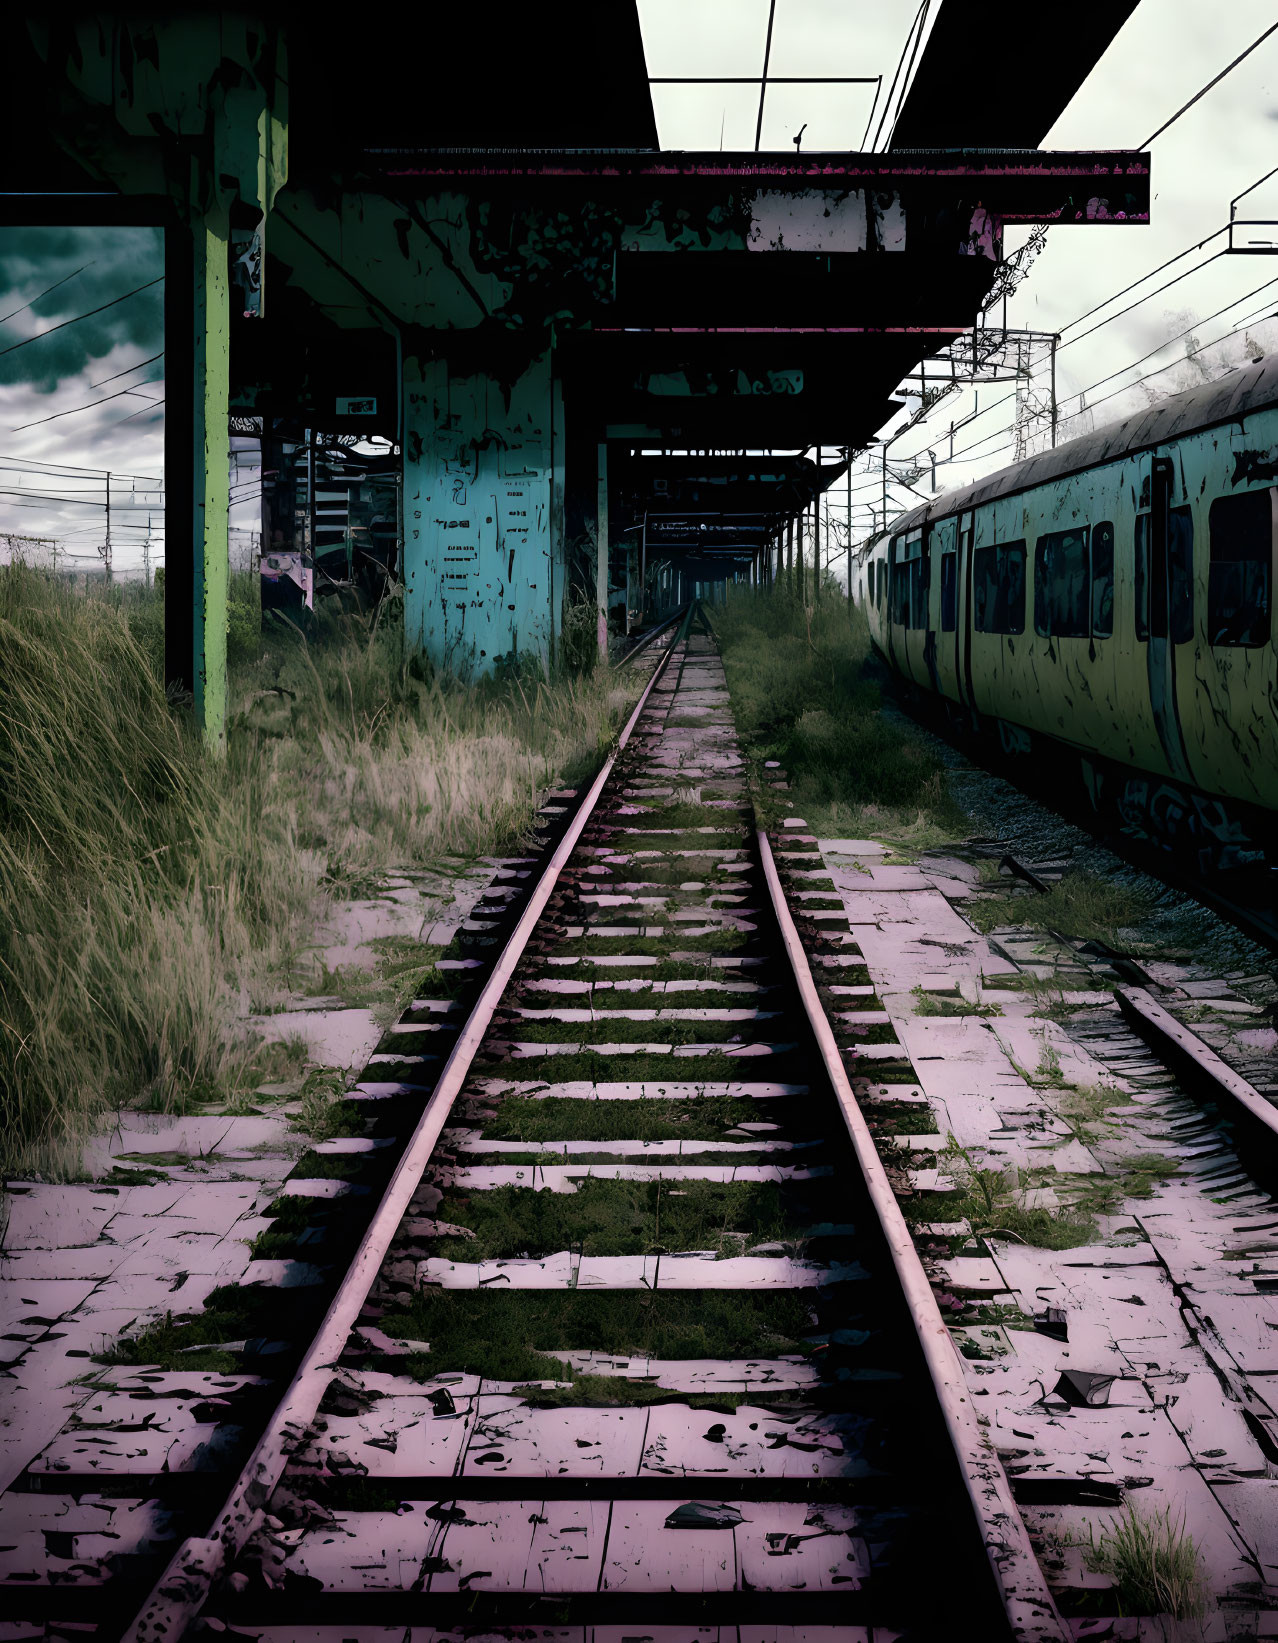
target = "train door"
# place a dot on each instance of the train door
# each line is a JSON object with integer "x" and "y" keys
{"x": 941, "y": 652}
{"x": 908, "y": 594}
{"x": 966, "y": 529}
{"x": 1164, "y": 591}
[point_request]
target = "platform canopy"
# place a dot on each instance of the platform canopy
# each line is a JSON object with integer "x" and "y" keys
{"x": 438, "y": 226}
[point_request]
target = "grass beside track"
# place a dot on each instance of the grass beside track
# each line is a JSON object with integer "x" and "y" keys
{"x": 149, "y": 894}
{"x": 805, "y": 691}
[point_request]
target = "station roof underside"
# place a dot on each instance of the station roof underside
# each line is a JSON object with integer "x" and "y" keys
{"x": 975, "y": 89}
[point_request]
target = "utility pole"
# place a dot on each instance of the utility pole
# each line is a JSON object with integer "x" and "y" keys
{"x": 106, "y": 551}
{"x": 885, "y": 484}
{"x": 816, "y": 538}
{"x": 146, "y": 555}
{"x": 1054, "y": 407}
{"x": 849, "y": 533}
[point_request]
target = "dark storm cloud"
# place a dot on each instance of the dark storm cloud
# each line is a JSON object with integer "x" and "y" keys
{"x": 118, "y": 259}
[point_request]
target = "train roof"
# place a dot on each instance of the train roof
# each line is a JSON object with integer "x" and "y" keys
{"x": 1229, "y": 397}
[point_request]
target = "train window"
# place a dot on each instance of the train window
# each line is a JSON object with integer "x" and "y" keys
{"x": 1180, "y": 565}
{"x": 1103, "y": 580}
{"x": 1061, "y": 584}
{"x": 1238, "y": 581}
{"x": 909, "y": 585}
{"x": 949, "y": 591}
{"x": 998, "y": 588}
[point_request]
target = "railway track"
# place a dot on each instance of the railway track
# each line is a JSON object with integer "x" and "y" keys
{"x": 635, "y": 1341}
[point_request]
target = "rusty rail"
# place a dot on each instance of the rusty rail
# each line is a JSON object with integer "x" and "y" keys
{"x": 1031, "y": 1610}
{"x": 652, "y": 634}
{"x": 1186, "y": 1055}
{"x": 180, "y": 1592}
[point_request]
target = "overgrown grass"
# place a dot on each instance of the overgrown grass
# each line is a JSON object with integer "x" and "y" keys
{"x": 995, "y": 1202}
{"x": 515, "y": 1336}
{"x": 588, "y": 1066}
{"x": 1154, "y": 1563}
{"x": 147, "y": 890}
{"x": 1081, "y": 905}
{"x": 926, "y": 1003}
{"x": 609, "y": 1218}
{"x": 805, "y": 691}
{"x": 563, "y": 1118}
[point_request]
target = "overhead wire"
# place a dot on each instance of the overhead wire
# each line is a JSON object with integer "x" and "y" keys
{"x": 63, "y": 281}
{"x": 62, "y": 324}
{"x": 75, "y": 410}
{"x": 127, "y": 369}
{"x": 1228, "y": 69}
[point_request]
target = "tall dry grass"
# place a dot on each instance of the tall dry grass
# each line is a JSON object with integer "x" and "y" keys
{"x": 146, "y": 891}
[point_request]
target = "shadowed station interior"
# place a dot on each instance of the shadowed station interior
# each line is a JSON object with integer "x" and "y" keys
{"x": 596, "y": 372}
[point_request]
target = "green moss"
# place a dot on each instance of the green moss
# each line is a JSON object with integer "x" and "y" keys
{"x": 681, "y": 816}
{"x": 229, "y": 1316}
{"x": 905, "y": 1121}
{"x": 621, "y": 1030}
{"x": 562, "y": 1118}
{"x": 606, "y": 1218}
{"x": 638, "y": 1068}
{"x": 728, "y": 940}
{"x": 514, "y": 1336}
{"x": 616, "y": 1392}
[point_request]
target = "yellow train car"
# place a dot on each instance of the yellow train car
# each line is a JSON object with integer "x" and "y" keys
{"x": 1113, "y": 598}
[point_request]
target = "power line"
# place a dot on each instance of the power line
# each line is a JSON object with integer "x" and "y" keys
{"x": 125, "y": 372}
{"x": 1206, "y": 262}
{"x": 132, "y": 414}
{"x": 62, "y": 325}
{"x": 1126, "y": 387}
{"x": 1223, "y": 229}
{"x": 1224, "y": 71}
{"x": 68, "y": 467}
{"x": 75, "y": 411}
{"x": 1002, "y": 401}
{"x": 46, "y": 291}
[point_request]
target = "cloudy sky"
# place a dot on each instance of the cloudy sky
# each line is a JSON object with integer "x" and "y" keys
{"x": 88, "y": 396}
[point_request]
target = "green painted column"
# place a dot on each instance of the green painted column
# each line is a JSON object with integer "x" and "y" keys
{"x": 212, "y": 459}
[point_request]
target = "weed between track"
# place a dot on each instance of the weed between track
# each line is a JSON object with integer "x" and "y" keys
{"x": 624, "y": 1031}
{"x": 515, "y": 1336}
{"x": 607, "y": 1218}
{"x": 640, "y": 1068}
{"x": 563, "y": 1118}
